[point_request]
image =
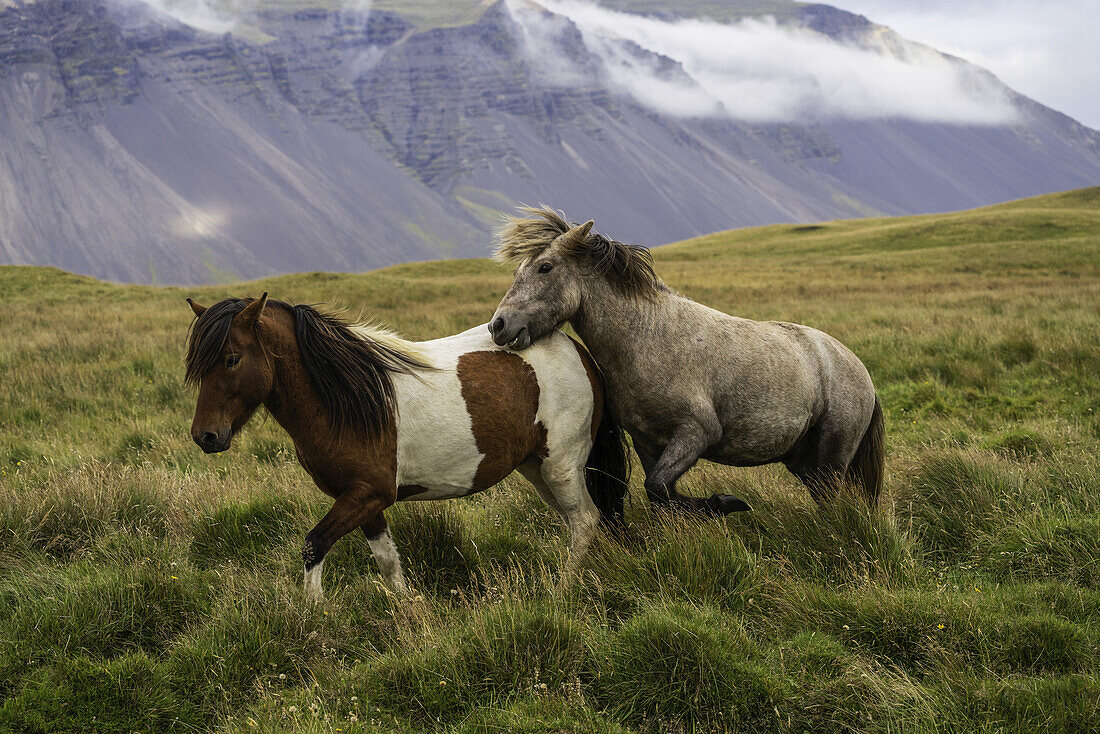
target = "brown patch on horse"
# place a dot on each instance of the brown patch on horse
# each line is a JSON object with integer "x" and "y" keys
{"x": 502, "y": 397}
{"x": 351, "y": 374}
{"x": 594, "y": 379}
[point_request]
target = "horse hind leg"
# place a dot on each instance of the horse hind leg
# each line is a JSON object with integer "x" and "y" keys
{"x": 565, "y": 491}
{"x": 385, "y": 554}
{"x": 820, "y": 460}
{"x": 822, "y": 483}
{"x": 532, "y": 472}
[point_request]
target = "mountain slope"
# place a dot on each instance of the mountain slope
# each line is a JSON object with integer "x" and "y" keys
{"x": 158, "y": 153}
{"x": 138, "y": 148}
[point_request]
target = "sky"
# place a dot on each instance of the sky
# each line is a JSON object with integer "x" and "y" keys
{"x": 1046, "y": 49}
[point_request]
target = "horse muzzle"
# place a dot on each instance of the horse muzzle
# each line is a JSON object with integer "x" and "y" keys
{"x": 512, "y": 335}
{"x": 213, "y": 443}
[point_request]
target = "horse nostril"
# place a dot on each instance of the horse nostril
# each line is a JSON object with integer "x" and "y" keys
{"x": 497, "y": 326}
{"x": 208, "y": 438}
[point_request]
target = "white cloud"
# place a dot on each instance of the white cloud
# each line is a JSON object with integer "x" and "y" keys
{"x": 356, "y": 13}
{"x": 205, "y": 15}
{"x": 544, "y": 38}
{"x": 223, "y": 16}
{"x": 1047, "y": 51}
{"x": 760, "y": 71}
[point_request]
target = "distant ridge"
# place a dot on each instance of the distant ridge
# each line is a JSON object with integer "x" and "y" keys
{"x": 1051, "y": 218}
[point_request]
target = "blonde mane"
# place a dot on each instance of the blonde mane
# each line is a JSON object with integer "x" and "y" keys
{"x": 390, "y": 339}
{"x": 627, "y": 267}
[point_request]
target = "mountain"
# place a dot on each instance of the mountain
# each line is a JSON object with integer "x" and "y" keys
{"x": 136, "y": 147}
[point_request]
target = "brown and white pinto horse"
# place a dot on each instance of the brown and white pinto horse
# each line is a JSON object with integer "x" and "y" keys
{"x": 376, "y": 419}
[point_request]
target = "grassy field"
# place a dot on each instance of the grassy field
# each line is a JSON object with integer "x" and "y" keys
{"x": 145, "y": 586}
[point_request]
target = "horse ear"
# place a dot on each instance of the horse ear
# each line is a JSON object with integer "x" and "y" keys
{"x": 199, "y": 310}
{"x": 579, "y": 233}
{"x": 252, "y": 312}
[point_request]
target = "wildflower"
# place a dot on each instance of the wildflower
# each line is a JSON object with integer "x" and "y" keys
{"x": 442, "y": 682}
{"x": 939, "y": 626}
{"x": 282, "y": 676}
{"x": 177, "y": 578}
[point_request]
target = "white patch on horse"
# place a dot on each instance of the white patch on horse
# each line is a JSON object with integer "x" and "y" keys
{"x": 557, "y": 364}
{"x": 566, "y": 405}
{"x": 313, "y": 581}
{"x": 436, "y": 448}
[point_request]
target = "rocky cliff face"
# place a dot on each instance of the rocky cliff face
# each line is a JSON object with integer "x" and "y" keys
{"x": 138, "y": 149}
{"x": 135, "y": 148}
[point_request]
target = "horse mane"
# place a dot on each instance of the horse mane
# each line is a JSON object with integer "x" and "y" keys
{"x": 207, "y": 337}
{"x": 627, "y": 267}
{"x": 349, "y": 365}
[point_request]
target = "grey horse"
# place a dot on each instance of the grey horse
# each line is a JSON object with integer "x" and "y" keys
{"x": 686, "y": 381}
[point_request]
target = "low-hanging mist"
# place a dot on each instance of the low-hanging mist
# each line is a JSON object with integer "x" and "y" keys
{"x": 225, "y": 16}
{"x": 212, "y": 17}
{"x": 758, "y": 70}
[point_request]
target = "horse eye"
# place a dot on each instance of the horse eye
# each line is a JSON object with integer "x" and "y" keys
{"x": 232, "y": 360}
{"x": 545, "y": 268}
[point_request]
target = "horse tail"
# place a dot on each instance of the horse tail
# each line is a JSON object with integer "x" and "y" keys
{"x": 607, "y": 471}
{"x": 867, "y": 466}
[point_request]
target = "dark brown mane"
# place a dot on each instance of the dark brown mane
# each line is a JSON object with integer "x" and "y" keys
{"x": 207, "y": 336}
{"x": 351, "y": 373}
{"x": 627, "y": 267}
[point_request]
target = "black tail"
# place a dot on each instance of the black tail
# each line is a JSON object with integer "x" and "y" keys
{"x": 607, "y": 471}
{"x": 869, "y": 463}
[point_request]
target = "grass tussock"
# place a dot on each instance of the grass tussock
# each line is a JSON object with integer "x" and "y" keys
{"x": 145, "y": 586}
{"x": 689, "y": 669}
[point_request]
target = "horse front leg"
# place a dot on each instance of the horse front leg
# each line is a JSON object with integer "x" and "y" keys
{"x": 359, "y": 506}
{"x": 688, "y": 443}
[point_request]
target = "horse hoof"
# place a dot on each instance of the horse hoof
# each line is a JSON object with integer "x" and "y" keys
{"x": 725, "y": 504}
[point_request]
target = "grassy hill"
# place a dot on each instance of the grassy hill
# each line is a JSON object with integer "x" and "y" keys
{"x": 146, "y": 586}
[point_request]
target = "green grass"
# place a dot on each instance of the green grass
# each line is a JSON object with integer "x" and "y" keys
{"x": 145, "y": 586}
